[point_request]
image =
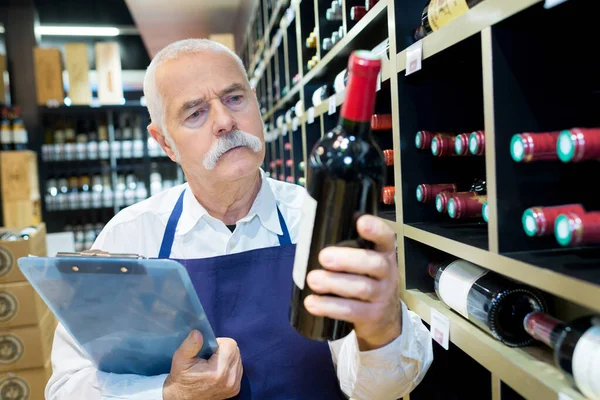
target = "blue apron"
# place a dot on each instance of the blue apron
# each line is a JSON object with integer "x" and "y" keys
{"x": 246, "y": 297}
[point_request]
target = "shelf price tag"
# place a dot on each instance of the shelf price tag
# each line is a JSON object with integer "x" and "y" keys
{"x": 295, "y": 123}
{"x": 440, "y": 328}
{"x": 551, "y": 3}
{"x": 414, "y": 57}
{"x": 332, "y": 106}
{"x": 311, "y": 115}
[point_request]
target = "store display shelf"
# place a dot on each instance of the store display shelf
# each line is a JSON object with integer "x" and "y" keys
{"x": 480, "y": 17}
{"x": 528, "y": 370}
{"x": 572, "y": 289}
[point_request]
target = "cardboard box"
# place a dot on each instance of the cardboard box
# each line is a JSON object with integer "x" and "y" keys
{"x": 19, "y": 175}
{"x": 10, "y": 252}
{"x": 18, "y": 213}
{"x": 20, "y": 305}
{"x": 108, "y": 69}
{"x": 78, "y": 67}
{"x": 48, "y": 75}
{"x": 28, "y": 346}
{"x": 26, "y": 384}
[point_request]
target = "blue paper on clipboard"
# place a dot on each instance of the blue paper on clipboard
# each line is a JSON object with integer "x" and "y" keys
{"x": 128, "y": 315}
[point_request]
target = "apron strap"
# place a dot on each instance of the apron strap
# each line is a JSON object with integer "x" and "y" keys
{"x": 169, "y": 235}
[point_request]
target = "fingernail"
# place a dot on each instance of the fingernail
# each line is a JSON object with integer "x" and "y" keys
{"x": 312, "y": 281}
{"x": 327, "y": 257}
{"x": 309, "y": 302}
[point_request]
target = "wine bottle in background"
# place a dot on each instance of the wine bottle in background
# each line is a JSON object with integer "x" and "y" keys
{"x": 319, "y": 95}
{"x": 442, "y": 145}
{"x": 576, "y": 347}
{"x": 369, "y": 4}
{"x": 388, "y": 156}
{"x": 461, "y": 207}
{"x": 62, "y": 202}
{"x": 381, "y": 122}
{"x": 81, "y": 140}
{"x": 85, "y": 196}
{"x": 539, "y": 221}
{"x": 127, "y": 142}
{"x": 423, "y": 140}
{"x": 334, "y": 13}
{"x": 70, "y": 147}
{"x": 107, "y": 192}
{"x": 19, "y": 133}
{"x": 477, "y": 143}
{"x": 491, "y": 301}
{"x": 342, "y": 185}
{"x": 73, "y": 196}
{"x": 5, "y": 131}
{"x": 301, "y": 181}
{"x": 461, "y": 144}
{"x": 388, "y": 195}
{"x": 92, "y": 144}
{"x": 440, "y": 12}
{"x": 357, "y": 12}
{"x": 51, "y": 193}
{"x": 96, "y": 196}
{"x": 527, "y": 147}
{"x": 115, "y": 145}
{"x": 59, "y": 141}
{"x": 103, "y": 143}
{"x": 138, "y": 138}
{"x": 579, "y": 144}
{"x": 485, "y": 212}
{"x": 311, "y": 40}
{"x": 426, "y": 193}
{"x": 574, "y": 229}
{"x": 477, "y": 188}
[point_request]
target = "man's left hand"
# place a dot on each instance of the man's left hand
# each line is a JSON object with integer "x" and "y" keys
{"x": 367, "y": 283}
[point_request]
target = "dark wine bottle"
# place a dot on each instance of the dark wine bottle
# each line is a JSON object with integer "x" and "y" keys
{"x": 345, "y": 175}
{"x": 494, "y": 303}
{"x": 439, "y": 12}
{"x": 576, "y": 347}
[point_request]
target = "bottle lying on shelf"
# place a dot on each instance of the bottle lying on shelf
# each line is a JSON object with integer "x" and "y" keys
{"x": 463, "y": 207}
{"x": 461, "y": 144}
{"x": 539, "y": 221}
{"x": 485, "y": 211}
{"x": 575, "y": 229}
{"x": 442, "y": 144}
{"x": 423, "y": 140}
{"x": 301, "y": 166}
{"x": 477, "y": 188}
{"x": 388, "y": 195}
{"x": 339, "y": 83}
{"x": 301, "y": 181}
{"x": 289, "y": 179}
{"x": 494, "y": 303}
{"x": 357, "y": 12}
{"x": 579, "y": 144}
{"x": 320, "y": 94}
{"x": 381, "y": 122}
{"x": 334, "y": 13}
{"x": 576, "y": 347}
{"x": 287, "y": 146}
{"x": 440, "y": 12}
{"x": 527, "y": 147}
{"x": 311, "y": 40}
{"x": 426, "y": 193}
{"x": 477, "y": 143}
{"x": 388, "y": 155}
{"x": 369, "y": 4}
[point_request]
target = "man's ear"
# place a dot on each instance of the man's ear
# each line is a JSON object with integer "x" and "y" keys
{"x": 254, "y": 91}
{"x": 158, "y": 135}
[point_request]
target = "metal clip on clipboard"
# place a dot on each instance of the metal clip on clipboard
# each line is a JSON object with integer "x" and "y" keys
{"x": 100, "y": 254}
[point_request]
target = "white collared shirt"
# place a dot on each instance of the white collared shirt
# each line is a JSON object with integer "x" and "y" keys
{"x": 386, "y": 373}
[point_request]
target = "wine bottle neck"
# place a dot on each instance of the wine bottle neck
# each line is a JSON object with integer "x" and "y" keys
{"x": 543, "y": 327}
{"x": 359, "y": 129}
{"x": 359, "y": 101}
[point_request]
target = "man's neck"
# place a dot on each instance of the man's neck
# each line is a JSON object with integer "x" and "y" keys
{"x": 227, "y": 201}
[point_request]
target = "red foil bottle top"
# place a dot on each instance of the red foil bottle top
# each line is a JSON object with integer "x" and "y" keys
{"x": 573, "y": 229}
{"x": 461, "y": 144}
{"x": 432, "y": 269}
{"x": 357, "y": 12}
{"x": 441, "y": 200}
{"x": 442, "y": 145}
{"x": 381, "y": 122}
{"x": 579, "y": 144}
{"x": 423, "y": 140}
{"x": 272, "y": 164}
{"x": 539, "y": 221}
{"x": 542, "y": 327}
{"x": 528, "y": 147}
{"x": 388, "y": 155}
{"x": 370, "y": 4}
{"x": 477, "y": 143}
{"x": 389, "y": 193}
{"x": 280, "y": 177}
{"x": 289, "y": 179}
{"x": 279, "y": 162}
{"x": 426, "y": 193}
{"x": 289, "y": 163}
{"x": 287, "y": 146}
{"x": 363, "y": 70}
{"x": 461, "y": 207}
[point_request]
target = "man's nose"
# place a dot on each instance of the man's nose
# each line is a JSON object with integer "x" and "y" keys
{"x": 223, "y": 121}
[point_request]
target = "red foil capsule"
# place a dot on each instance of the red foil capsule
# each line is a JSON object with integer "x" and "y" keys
{"x": 279, "y": 162}
{"x": 443, "y": 145}
{"x": 423, "y": 140}
{"x": 477, "y": 143}
{"x": 573, "y": 229}
{"x": 381, "y": 122}
{"x": 272, "y": 164}
{"x": 441, "y": 200}
{"x": 388, "y": 155}
{"x": 426, "y": 193}
{"x": 579, "y": 144}
{"x": 462, "y": 207}
{"x": 281, "y": 177}
{"x": 370, "y": 4}
{"x": 539, "y": 221}
{"x": 461, "y": 144}
{"x": 528, "y": 147}
{"x": 287, "y": 146}
{"x": 289, "y": 163}
{"x": 389, "y": 195}
{"x": 357, "y": 12}
{"x": 289, "y": 179}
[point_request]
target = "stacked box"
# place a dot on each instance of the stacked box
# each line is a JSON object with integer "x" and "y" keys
{"x": 20, "y": 188}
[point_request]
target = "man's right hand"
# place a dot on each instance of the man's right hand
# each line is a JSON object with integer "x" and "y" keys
{"x": 193, "y": 377}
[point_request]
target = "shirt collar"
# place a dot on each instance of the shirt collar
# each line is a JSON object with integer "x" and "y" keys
{"x": 264, "y": 207}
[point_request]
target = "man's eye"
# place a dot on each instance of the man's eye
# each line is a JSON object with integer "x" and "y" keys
{"x": 235, "y": 99}
{"x": 196, "y": 114}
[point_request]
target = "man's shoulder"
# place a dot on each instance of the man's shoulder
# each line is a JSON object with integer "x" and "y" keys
{"x": 288, "y": 194}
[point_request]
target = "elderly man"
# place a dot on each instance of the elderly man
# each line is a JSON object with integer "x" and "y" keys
{"x": 227, "y": 225}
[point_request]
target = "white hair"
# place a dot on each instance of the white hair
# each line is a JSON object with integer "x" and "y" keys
{"x": 154, "y": 102}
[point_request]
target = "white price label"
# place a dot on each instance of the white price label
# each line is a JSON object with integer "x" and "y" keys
{"x": 440, "y": 328}
{"x": 552, "y": 3}
{"x": 332, "y": 107}
{"x": 295, "y": 124}
{"x": 378, "y": 82}
{"x": 414, "y": 57}
{"x": 562, "y": 396}
{"x": 311, "y": 115}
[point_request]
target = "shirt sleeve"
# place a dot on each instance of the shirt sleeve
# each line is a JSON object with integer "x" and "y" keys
{"x": 390, "y": 372}
{"x": 74, "y": 375}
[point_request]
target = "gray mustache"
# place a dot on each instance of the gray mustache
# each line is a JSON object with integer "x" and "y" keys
{"x": 236, "y": 138}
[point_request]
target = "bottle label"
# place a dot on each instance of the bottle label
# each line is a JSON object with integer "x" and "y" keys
{"x": 455, "y": 284}
{"x": 586, "y": 363}
{"x": 307, "y": 222}
{"x": 5, "y": 137}
{"x": 440, "y": 12}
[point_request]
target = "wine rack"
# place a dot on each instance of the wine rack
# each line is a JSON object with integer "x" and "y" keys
{"x": 504, "y": 67}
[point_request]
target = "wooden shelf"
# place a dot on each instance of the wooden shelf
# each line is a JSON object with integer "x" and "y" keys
{"x": 529, "y": 370}
{"x": 575, "y": 290}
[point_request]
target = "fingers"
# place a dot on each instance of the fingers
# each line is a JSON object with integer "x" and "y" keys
{"x": 355, "y": 261}
{"x": 337, "y": 308}
{"x": 228, "y": 365}
{"x": 376, "y": 230}
{"x": 190, "y": 347}
{"x": 344, "y": 285}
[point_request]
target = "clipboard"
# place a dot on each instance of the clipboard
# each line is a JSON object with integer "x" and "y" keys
{"x": 128, "y": 313}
